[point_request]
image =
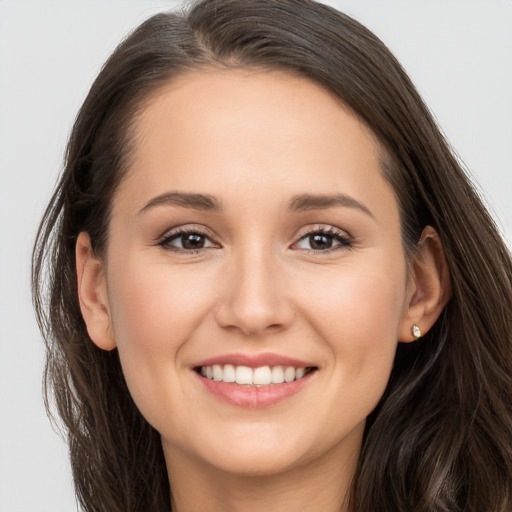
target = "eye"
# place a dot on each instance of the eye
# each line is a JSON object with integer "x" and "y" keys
{"x": 323, "y": 240}
{"x": 191, "y": 241}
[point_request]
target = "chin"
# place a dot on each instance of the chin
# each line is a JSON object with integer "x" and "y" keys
{"x": 258, "y": 463}
{"x": 252, "y": 450}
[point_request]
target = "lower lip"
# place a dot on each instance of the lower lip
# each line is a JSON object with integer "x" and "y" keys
{"x": 254, "y": 397}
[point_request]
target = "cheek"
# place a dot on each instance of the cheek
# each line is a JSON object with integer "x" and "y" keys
{"x": 155, "y": 309}
{"x": 360, "y": 299}
{"x": 357, "y": 312}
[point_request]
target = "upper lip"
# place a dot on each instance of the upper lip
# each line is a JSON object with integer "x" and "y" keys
{"x": 255, "y": 360}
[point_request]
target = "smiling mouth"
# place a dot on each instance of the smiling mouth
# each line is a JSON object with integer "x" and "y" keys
{"x": 254, "y": 377}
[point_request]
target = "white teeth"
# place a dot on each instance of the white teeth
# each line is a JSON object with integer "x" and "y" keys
{"x": 299, "y": 373}
{"x": 229, "y": 373}
{"x": 277, "y": 375}
{"x": 217, "y": 372}
{"x": 243, "y": 375}
{"x": 289, "y": 374}
{"x": 262, "y": 376}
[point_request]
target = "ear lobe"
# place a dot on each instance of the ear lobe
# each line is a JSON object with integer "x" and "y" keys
{"x": 428, "y": 288}
{"x": 92, "y": 294}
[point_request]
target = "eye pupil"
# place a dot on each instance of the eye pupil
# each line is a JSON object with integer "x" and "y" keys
{"x": 319, "y": 241}
{"x": 192, "y": 241}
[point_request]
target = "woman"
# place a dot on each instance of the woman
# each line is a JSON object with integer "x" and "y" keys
{"x": 270, "y": 279}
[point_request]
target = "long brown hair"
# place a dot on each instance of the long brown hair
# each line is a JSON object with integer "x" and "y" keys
{"x": 441, "y": 437}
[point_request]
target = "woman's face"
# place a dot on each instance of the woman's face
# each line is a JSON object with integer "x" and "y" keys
{"x": 254, "y": 233}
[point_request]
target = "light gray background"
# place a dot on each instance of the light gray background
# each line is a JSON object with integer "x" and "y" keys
{"x": 458, "y": 52}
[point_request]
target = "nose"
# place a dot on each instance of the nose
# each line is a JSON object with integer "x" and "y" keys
{"x": 253, "y": 296}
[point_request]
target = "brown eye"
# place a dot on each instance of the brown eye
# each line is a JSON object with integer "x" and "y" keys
{"x": 187, "y": 241}
{"x": 324, "y": 240}
{"x": 320, "y": 242}
{"x": 192, "y": 241}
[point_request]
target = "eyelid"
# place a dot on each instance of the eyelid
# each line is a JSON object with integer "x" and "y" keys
{"x": 175, "y": 232}
{"x": 345, "y": 239}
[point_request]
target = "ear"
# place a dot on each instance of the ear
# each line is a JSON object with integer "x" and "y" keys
{"x": 428, "y": 286}
{"x": 92, "y": 294}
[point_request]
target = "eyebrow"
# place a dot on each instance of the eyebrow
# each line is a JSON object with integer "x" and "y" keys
{"x": 202, "y": 202}
{"x": 305, "y": 202}
{"x": 299, "y": 203}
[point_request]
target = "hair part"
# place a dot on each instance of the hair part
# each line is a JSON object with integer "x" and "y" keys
{"x": 441, "y": 437}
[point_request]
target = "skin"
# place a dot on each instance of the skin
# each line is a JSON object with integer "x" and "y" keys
{"x": 255, "y": 140}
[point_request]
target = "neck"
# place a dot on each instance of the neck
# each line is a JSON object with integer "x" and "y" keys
{"x": 321, "y": 484}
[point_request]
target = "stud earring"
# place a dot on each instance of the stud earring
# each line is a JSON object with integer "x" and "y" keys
{"x": 416, "y": 331}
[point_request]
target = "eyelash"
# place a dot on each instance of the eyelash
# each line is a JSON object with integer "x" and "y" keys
{"x": 175, "y": 235}
{"x": 345, "y": 242}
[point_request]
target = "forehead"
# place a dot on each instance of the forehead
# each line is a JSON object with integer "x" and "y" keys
{"x": 216, "y": 131}
{"x": 250, "y": 102}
